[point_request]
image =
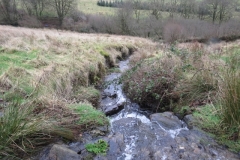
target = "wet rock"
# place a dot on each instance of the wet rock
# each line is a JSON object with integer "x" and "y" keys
{"x": 97, "y": 132}
{"x": 113, "y": 109}
{"x": 104, "y": 129}
{"x": 167, "y": 120}
{"x": 61, "y": 152}
{"x": 188, "y": 119}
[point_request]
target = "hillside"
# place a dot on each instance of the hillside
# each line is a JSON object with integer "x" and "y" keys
{"x": 51, "y": 83}
{"x": 47, "y": 76}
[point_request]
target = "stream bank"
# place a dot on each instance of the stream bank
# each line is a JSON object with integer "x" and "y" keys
{"x": 139, "y": 134}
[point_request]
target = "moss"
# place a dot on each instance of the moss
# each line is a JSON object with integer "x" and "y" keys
{"x": 100, "y": 147}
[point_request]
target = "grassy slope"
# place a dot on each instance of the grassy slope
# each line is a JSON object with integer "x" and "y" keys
{"x": 53, "y": 71}
{"x": 57, "y": 62}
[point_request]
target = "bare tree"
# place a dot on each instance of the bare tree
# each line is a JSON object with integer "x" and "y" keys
{"x": 202, "y": 10}
{"x": 8, "y": 11}
{"x": 137, "y": 9}
{"x": 220, "y": 9}
{"x": 124, "y": 19}
{"x": 35, "y": 6}
{"x": 172, "y": 7}
{"x": 187, "y": 8}
{"x": 213, "y": 8}
{"x": 226, "y": 8}
{"x": 156, "y": 7}
{"x": 62, "y": 8}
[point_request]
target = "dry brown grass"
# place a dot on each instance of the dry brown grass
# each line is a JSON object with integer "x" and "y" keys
{"x": 65, "y": 64}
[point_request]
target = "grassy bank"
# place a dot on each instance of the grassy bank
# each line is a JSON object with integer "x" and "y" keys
{"x": 50, "y": 75}
{"x": 192, "y": 78}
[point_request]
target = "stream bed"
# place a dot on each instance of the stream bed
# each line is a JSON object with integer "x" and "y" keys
{"x": 136, "y": 134}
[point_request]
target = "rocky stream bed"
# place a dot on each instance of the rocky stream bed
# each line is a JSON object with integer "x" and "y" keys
{"x": 135, "y": 134}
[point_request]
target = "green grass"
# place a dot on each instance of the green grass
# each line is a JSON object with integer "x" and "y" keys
{"x": 20, "y": 130}
{"x": 17, "y": 58}
{"x": 230, "y": 98}
{"x": 209, "y": 118}
{"x": 89, "y": 116}
{"x": 100, "y": 147}
{"x": 91, "y": 7}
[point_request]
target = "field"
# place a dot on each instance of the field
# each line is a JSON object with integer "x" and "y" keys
{"x": 91, "y": 7}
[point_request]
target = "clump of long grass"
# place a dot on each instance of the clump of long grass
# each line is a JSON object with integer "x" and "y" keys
{"x": 230, "y": 97}
{"x": 21, "y": 131}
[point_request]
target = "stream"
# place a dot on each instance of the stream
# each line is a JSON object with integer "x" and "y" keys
{"x": 137, "y": 134}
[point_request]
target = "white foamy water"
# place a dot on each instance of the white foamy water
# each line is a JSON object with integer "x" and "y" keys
{"x": 127, "y": 155}
{"x": 172, "y": 132}
{"x": 123, "y": 65}
{"x": 141, "y": 117}
{"x": 121, "y": 97}
{"x": 164, "y": 157}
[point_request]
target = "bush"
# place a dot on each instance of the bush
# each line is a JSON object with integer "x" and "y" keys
{"x": 151, "y": 82}
{"x": 173, "y": 31}
{"x": 29, "y": 21}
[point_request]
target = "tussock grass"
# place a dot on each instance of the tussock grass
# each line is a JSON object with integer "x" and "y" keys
{"x": 21, "y": 131}
{"x": 230, "y": 96}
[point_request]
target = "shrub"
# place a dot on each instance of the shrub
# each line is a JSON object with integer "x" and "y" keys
{"x": 173, "y": 31}
{"x": 29, "y": 21}
{"x": 151, "y": 82}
